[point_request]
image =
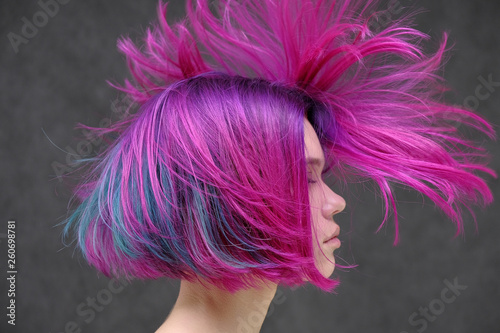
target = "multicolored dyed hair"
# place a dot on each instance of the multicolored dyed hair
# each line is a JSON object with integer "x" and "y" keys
{"x": 208, "y": 178}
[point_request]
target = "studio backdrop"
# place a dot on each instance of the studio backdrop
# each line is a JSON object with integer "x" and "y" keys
{"x": 55, "y": 60}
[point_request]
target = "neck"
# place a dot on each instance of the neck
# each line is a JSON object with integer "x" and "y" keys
{"x": 216, "y": 310}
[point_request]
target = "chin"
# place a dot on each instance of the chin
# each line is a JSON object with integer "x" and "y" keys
{"x": 329, "y": 272}
{"x": 327, "y": 268}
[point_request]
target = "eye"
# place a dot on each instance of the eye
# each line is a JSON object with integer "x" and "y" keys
{"x": 310, "y": 178}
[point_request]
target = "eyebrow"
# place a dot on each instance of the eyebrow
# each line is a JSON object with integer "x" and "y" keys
{"x": 315, "y": 161}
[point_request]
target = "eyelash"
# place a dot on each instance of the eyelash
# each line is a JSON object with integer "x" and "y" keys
{"x": 310, "y": 181}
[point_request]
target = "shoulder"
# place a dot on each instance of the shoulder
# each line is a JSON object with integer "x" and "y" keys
{"x": 183, "y": 324}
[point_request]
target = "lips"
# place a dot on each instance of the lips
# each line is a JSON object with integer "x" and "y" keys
{"x": 334, "y": 235}
{"x": 333, "y": 241}
{"x": 329, "y": 239}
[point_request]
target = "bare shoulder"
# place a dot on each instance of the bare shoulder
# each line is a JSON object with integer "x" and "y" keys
{"x": 174, "y": 325}
{"x": 185, "y": 324}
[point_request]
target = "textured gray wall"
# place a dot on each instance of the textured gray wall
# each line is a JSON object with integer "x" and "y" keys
{"x": 57, "y": 78}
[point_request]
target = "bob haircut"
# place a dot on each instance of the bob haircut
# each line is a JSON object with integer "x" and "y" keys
{"x": 208, "y": 178}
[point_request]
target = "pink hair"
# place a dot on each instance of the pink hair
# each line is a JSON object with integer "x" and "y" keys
{"x": 375, "y": 100}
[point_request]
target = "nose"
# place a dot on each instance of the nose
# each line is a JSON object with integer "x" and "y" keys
{"x": 332, "y": 204}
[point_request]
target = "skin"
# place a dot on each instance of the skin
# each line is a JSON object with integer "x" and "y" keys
{"x": 324, "y": 204}
{"x": 212, "y": 310}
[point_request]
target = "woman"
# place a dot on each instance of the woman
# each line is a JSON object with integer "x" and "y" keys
{"x": 208, "y": 309}
{"x": 217, "y": 179}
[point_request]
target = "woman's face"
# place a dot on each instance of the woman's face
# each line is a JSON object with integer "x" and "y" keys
{"x": 324, "y": 204}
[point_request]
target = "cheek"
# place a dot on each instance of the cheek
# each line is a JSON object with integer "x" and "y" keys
{"x": 315, "y": 217}
{"x": 315, "y": 202}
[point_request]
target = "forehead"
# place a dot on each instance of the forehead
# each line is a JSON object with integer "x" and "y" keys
{"x": 313, "y": 149}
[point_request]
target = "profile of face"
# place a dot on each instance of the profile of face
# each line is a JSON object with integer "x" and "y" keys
{"x": 324, "y": 204}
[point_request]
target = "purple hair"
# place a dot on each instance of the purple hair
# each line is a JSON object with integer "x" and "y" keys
{"x": 208, "y": 177}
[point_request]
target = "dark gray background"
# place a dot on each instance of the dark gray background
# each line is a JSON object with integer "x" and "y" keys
{"x": 58, "y": 79}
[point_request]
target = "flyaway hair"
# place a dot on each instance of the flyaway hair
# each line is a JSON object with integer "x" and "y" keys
{"x": 207, "y": 177}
